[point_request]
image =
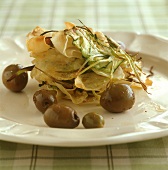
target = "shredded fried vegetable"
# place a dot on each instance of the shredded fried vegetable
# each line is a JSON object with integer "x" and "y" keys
{"x": 79, "y": 63}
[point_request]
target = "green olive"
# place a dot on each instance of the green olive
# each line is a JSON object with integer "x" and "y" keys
{"x": 18, "y": 83}
{"x": 61, "y": 116}
{"x": 44, "y": 98}
{"x": 93, "y": 120}
{"x": 117, "y": 98}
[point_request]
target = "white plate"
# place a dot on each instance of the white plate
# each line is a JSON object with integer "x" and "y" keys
{"x": 21, "y": 122}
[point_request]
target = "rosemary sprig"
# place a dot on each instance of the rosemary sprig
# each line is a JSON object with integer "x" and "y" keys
{"x": 22, "y": 70}
{"x": 48, "y": 32}
{"x": 84, "y": 38}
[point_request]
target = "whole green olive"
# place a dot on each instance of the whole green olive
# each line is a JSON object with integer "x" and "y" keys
{"x": 61, "y": 116}
{"x": 44, "y": 98}
{"x": 18, "y": 83}
{"x": 93, "y": 120}
{"x": 117, "y": 98}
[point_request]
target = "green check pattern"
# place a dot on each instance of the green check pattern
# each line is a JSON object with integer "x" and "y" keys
{"x": 145, "y": 16}
{"x": 147, "y": 155}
